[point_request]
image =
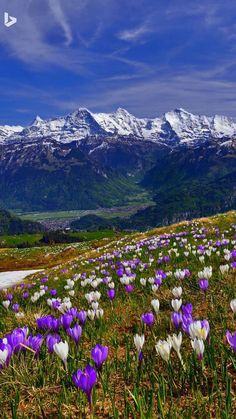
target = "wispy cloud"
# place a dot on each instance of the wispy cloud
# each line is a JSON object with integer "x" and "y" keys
{"x": 145, "y": 56}
{"x": 135, "y": 34}
{"x": 61, "y": 19}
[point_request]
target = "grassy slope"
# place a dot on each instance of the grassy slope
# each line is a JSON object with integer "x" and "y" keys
{"x": 42, "y": 388}
{"x": 46, "y": 256}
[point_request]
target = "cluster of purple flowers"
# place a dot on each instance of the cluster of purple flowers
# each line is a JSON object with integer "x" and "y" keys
{"x": 87, "y": 378}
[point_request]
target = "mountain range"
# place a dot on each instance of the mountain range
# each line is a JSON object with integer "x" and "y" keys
{"x": 178, "y": 125}
{"x": 85, "y": 160}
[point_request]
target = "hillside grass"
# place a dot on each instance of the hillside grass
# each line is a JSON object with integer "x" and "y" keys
{"x": 41, "y": 387}
{"x": 45, "y": 256}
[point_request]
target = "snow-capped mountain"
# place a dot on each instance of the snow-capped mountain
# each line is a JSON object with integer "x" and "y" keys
{"x": 87, "y": 160}
{"x": 7, "y": 131}
{"x": 177, "y": 126}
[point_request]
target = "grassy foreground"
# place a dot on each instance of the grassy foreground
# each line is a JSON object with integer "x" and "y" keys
{"x": 135, "y": 381}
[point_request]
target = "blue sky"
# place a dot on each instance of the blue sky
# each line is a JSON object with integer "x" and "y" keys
{"x": 148, "y": 56}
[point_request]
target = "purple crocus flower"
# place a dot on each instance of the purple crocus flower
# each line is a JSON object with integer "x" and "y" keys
{"x": 148, "y": 319}
{"x": 53, "y": 292}
{"x": 55, "y": 324}
{"x": 186, "y": 321}
{"x": 25, "y": 295}
{"x": 82, "y": 315}
{"x": 99, "y": 354}
{"x": 48, "y": 323}
{"x": 66, "y": 320}
{"x": 129, "y": 288}
{"x": 9, "y": 297}
{"x": 75, "y": 333}
{"x": 233, "y": 254}
{"x": 16, "y": 307}
{"x": 176, "y": 319}
{"x": 203, "y": 284}
{"x": 50, "y": 342}
{"x": 55, "y": 304}
{"x": 187, "y": 309}
{"x": 73, "y": 312}
{"x": 231, "y": 340}
{"x": 35, "y": 343}
{"x": 16, "y": 338}
{"x": 111, "y": 293}
{"x": 85, "y": 380}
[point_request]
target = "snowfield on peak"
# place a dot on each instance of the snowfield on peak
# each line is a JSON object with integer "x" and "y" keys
{"x": 7, "y": 131}
{"x": 177, "y": 126}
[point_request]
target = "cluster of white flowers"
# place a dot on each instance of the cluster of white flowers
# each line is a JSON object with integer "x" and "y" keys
{"x": 38, "y": 294}
{"x": 205, "y": 273}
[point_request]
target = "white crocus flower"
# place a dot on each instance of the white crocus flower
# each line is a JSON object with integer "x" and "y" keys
{"x": 95, "y": 305}
{"x": 139, "y": 342}
{"x": 198, "y": 347}
{"x": 155, "y": 288}
{"x": 206, "y": 272}
{"x": 176, "y": 304}
{"x": 91, "y": 314}
{"x": 163, "y": 348}
{"x": 177, "y": 292}
{"x": 224, "y": 269}
{"x": 3, "y": 356}
{"x": 155, "y": 305}
{"x": 197, "y": 331}
{"x": 62, "y": 350}
{"x": 179, "y": 274}
{"x": 6, "y": 304}
{"x": 176, "y": 341}
{"x": 99, "y": 313}
{"x": 233, "y": 305}
{"x": 143, "y": 282}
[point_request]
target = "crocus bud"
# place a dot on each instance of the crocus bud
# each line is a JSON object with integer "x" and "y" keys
{"x": 99, "y": 354}
{"x": 163, "y": 348}
{"x": 176, "y": 304}
{"x": 6, "y": 304}
{"x": 155, "y": 305}
{"x": 233, "y": 305}
{"x": 62, "y": 349}
{"x": 3, "y": 356}
{"x": 176, "y": 341}
{"x": 177, "y": 292}
{"x": 198, "y": 347}
{"x": 139, "y": 342}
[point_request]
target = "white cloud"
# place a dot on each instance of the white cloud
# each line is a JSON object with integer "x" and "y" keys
{"x": 135, "y": 34}
{"x": 60, "y": 17}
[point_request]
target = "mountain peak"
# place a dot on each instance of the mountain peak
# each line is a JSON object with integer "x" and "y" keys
{"x": 122, "y": 111}
{"x": 37, "y": 120}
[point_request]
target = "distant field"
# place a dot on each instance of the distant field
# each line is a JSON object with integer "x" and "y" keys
{"x": 12, "y": 258}
{"x": 142, "y": 201}
{"x": 16, "y": 240}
